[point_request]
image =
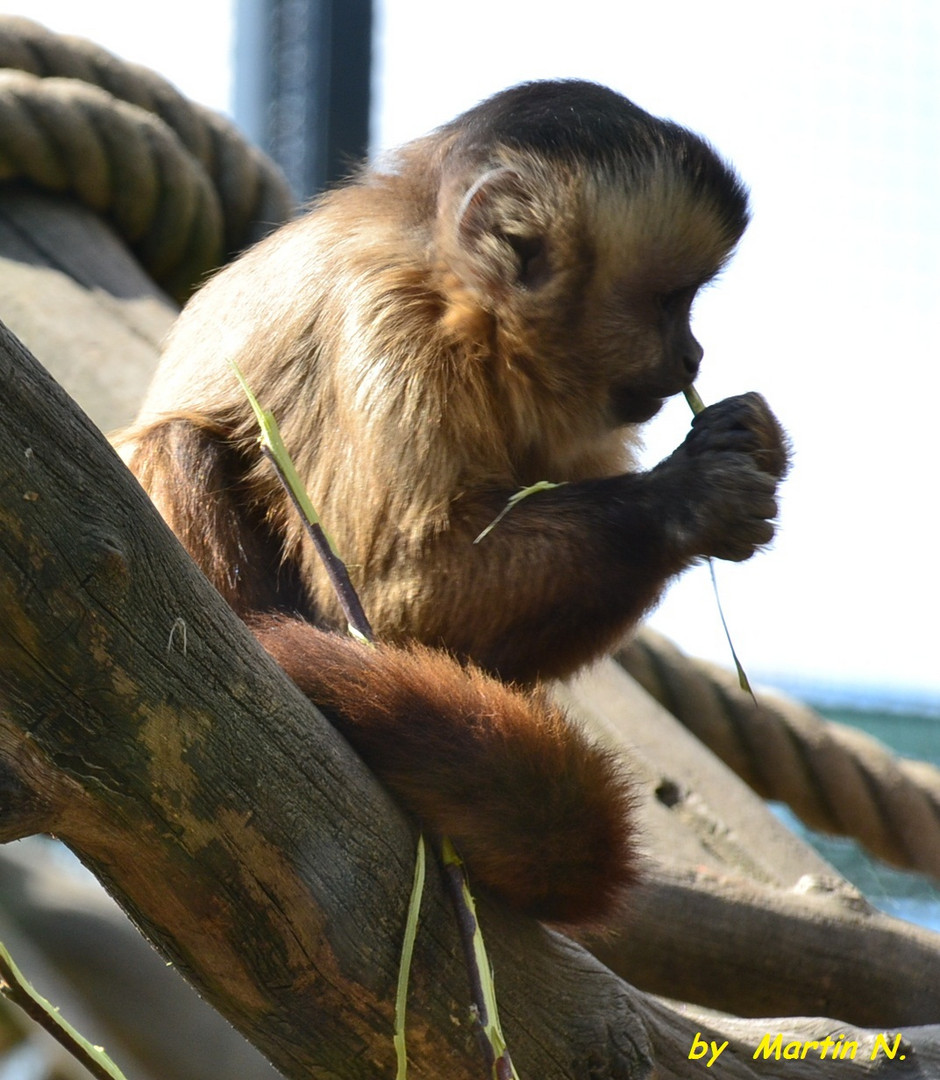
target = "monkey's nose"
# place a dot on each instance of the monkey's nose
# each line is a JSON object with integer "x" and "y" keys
{"x": 692, "y": 357}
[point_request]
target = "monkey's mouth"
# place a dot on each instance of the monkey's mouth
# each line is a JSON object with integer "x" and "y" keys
{"x": 630, "y": 407}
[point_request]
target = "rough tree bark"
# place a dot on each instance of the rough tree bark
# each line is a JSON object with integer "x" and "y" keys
{"x": 141, "y": 724}
{"x": 143, "y": 727}
{"x": 734, "y": 911}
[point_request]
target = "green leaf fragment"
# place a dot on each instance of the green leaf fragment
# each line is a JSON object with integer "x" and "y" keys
{"x": 695, "y": 402}
{"x": 404, "y": 967}
{"x": 271, "y": 439}
{"x": 522, "y": 493}
{"x": 490, "y": 1022}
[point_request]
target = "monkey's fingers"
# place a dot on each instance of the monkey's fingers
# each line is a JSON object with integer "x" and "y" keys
{"x": 743, "y": 423}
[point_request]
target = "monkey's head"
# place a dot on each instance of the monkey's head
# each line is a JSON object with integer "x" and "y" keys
{"x": 572, "y": 233}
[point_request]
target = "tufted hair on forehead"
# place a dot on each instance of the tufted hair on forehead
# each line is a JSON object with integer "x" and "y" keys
{"x": 578, "y": 123}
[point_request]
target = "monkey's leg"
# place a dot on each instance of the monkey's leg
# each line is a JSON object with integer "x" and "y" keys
{"x": 192, "y": 475}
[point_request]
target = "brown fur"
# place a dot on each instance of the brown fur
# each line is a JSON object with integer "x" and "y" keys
{"x": 504, "y": 303}
{"x": 433, "y": 337}
{"x": 538, "y": 812}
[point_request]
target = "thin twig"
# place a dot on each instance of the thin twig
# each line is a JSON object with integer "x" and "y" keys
{"x": 482, "y": 990}
{"x": 333, "y": 564}
{"x": 695, "y": 402}
{"x": 513, "y": 500}
{"x": 15, "y": 986}
{"x": 272, "y": 446}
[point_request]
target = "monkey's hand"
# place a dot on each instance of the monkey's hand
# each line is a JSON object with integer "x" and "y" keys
{"x": 719, "y": 485}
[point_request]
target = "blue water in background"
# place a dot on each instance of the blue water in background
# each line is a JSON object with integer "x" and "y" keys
{"x": 910, "y": 730}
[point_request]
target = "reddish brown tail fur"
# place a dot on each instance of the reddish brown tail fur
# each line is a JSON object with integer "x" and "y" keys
{"x": 539, "y": 813}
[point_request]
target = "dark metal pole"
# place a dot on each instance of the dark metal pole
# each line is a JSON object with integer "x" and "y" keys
{"x": 302, "y": 81}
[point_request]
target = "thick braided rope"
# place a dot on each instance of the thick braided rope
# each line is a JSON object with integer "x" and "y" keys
{"x": 833, "y": 777}
{"x": 181, "y": 185}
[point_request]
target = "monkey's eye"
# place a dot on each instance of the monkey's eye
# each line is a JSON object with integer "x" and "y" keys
{"x": 533, "y": 259}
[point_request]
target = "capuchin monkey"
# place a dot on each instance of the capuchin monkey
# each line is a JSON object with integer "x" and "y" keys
{"x": 502, "y": 302}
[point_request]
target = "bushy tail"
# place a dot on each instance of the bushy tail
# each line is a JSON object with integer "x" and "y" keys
{"x": 540, "y": 814}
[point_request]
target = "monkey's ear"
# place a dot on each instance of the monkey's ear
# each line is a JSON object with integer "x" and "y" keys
{"x": 501, "y": 232}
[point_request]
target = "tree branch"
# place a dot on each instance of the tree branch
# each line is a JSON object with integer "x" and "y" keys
{"x": 236, "y": 827}
{"x": 227, "y": 817}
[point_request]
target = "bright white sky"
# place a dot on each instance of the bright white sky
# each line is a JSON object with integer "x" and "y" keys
{"x": 830, "y": 109}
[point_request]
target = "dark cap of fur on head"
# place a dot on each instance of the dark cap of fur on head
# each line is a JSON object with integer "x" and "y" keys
{"x": 579, "y": 122}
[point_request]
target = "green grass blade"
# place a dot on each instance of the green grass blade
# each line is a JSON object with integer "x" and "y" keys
{"x": 697, "y": 405}
{"x": 522, "y": 493}
{"x": 272, "y": 440}
{"x": 404, "y": 967}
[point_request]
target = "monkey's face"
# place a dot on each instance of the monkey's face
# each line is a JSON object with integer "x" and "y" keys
{"x": 642, "y": 342}
{"x": 589, "y": 281}
{"x": 653, "y": 250}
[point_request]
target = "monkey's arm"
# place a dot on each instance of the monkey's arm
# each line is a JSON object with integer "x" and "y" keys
{"x": 560, "y": 579}
{"x": 569, "y": 570}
